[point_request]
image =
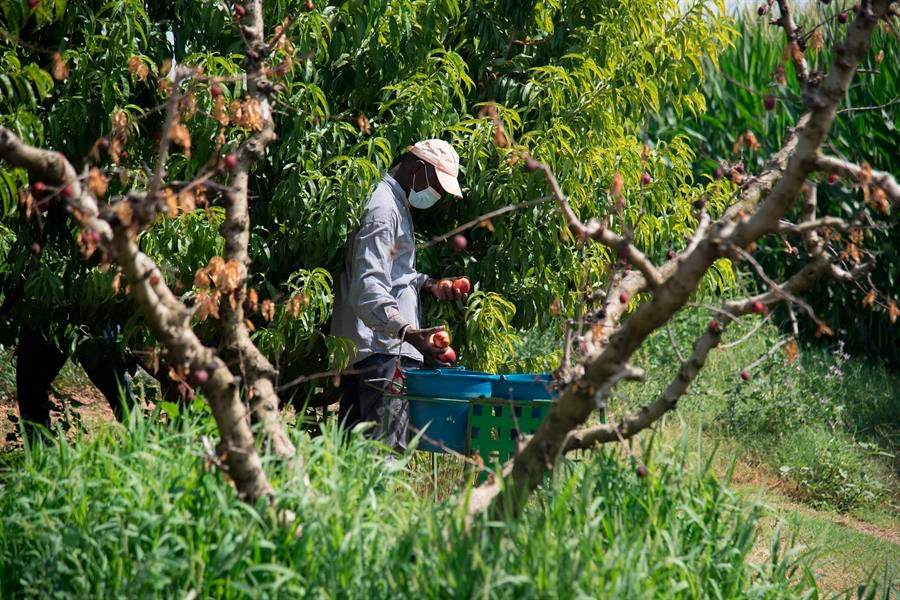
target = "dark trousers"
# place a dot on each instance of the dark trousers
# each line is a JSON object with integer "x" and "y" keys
{"x": 363, "y": 399}
{"x": 37, "y": 364}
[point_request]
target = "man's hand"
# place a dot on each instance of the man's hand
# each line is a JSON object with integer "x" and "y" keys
{"x": 447, "y": 289}
{"x": 418, "y": 338}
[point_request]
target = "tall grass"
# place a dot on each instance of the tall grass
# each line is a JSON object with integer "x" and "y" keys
{"x": 133, "y": 511}
{"x": 826, "y": 422}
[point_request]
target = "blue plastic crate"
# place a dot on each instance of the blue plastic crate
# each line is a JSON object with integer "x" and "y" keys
{"x": 524, "y": 387}
{"x": 443, "y": 420}
{"x": 456, "y": 383}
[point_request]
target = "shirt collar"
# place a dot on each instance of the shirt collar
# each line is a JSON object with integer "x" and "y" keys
{"x": 399, "y": 194}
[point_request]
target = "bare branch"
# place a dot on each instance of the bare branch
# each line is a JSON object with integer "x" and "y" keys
{"x": 762, "y": 204}
{"x": 167, "y": 317}
{"x": 242, "y": 354}
{"x": 854, "y": 172}
{"x": 795, "y": 40}
{"x": 595, "y": 230}
{"x": 482, "y": 218}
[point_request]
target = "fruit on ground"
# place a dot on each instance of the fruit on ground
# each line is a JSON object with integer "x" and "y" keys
{"x": 216, "y": 90}
{"x": 623, "y": 298}
{"x": 448, "y": 356}
{"x": 758, "y": 307}
{"x": 833, "y": 178}
{"x": 459, "y": 242}
{"x": 39, "y": 187}
{"x": 645, "y": 178}
{"x": 239, "y": 11}
{"x": 842, "y": 18}
{"x": 462, "y": 285}
{"x": 641, "y": 471}
{"x": 745, "y": 375}
{"x": 439, "y": 339}
{"x": 714, "y": 325}
{"x": 230, "y": 161}
{"x": 769, "y": 102}
{"x": 35, "y": 249}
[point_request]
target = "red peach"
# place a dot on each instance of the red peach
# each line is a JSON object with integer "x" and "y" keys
{"x": 448, "y": 356}
{"x": 440, "y": 339}
{"x": 462, "y": 285}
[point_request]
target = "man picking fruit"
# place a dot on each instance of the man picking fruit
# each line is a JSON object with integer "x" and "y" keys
{"x": 379, "y": 294}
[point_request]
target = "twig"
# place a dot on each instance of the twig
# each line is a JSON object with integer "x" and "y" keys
{"x": 478, "y": 220}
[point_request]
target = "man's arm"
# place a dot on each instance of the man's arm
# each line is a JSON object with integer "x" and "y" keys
{"x": 370, "y": 276}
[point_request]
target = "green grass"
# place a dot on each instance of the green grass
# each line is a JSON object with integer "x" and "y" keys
{"x": 135, "y": 512}
{"x": 827, "y": 422}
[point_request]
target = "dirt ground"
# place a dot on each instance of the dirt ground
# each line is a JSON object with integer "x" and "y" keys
{"x": 71, "y": 407}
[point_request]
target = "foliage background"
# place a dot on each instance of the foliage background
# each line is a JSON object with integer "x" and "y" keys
{"x": 866, "y": 130}
{"x": 574, "y": 84}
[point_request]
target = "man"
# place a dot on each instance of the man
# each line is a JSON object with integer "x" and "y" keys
{"x": 378, "y": 304}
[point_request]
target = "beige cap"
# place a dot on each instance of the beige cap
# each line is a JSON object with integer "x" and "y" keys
{"x": 445, "y": 161}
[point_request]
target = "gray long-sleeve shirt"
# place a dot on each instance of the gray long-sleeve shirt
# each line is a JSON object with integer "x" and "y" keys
{"x": 378, "y": 292}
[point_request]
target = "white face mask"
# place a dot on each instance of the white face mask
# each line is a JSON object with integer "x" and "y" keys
{"x": 425, "y": 198}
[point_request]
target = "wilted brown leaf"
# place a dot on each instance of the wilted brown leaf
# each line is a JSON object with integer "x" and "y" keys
{"x": 362, "y": 122}
{"x": 138, "y": 67}
{"x": 817, "y": 41}
{"x": 97, "y": 183}
{"x": 252, "y": 300}
{"x": 555, "y": 306}
{"x": 893, "y": 312}
{"x": 880, "y": 201}
{"x": 171, "y": 202}
{"x": 791, "y": 350}
{"x": 26, "y": 201}
{"x": 188, "y": 105}
{"x": 120, "y": 125}
{"x": 179, "y": 135}
{"x": 186, "y": 201}
{"x": 879, "y": 58}
{"x": 267, "y": 309}
{"x": 117, "y": 283}
{"x": 779, "y": 76}
{"x": 869, "y": 299}
{"x": 865, "y": 174}
{"x": 823, "y": 329}
{"x": 124, "y": 212}
{"x": 617, "y": 185}
{"x": 58, "y": 67}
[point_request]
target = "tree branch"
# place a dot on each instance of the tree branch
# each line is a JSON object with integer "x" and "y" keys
{"x": 167, "y": 317}
{"x": 854, "y": 172}
{"x": 242, "y": 354}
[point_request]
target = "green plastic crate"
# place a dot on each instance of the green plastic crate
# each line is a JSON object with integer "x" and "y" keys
{"x": 495, "y": 425}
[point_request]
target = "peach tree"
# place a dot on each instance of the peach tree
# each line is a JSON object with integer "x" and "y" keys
{"x": 213, "y": 167}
